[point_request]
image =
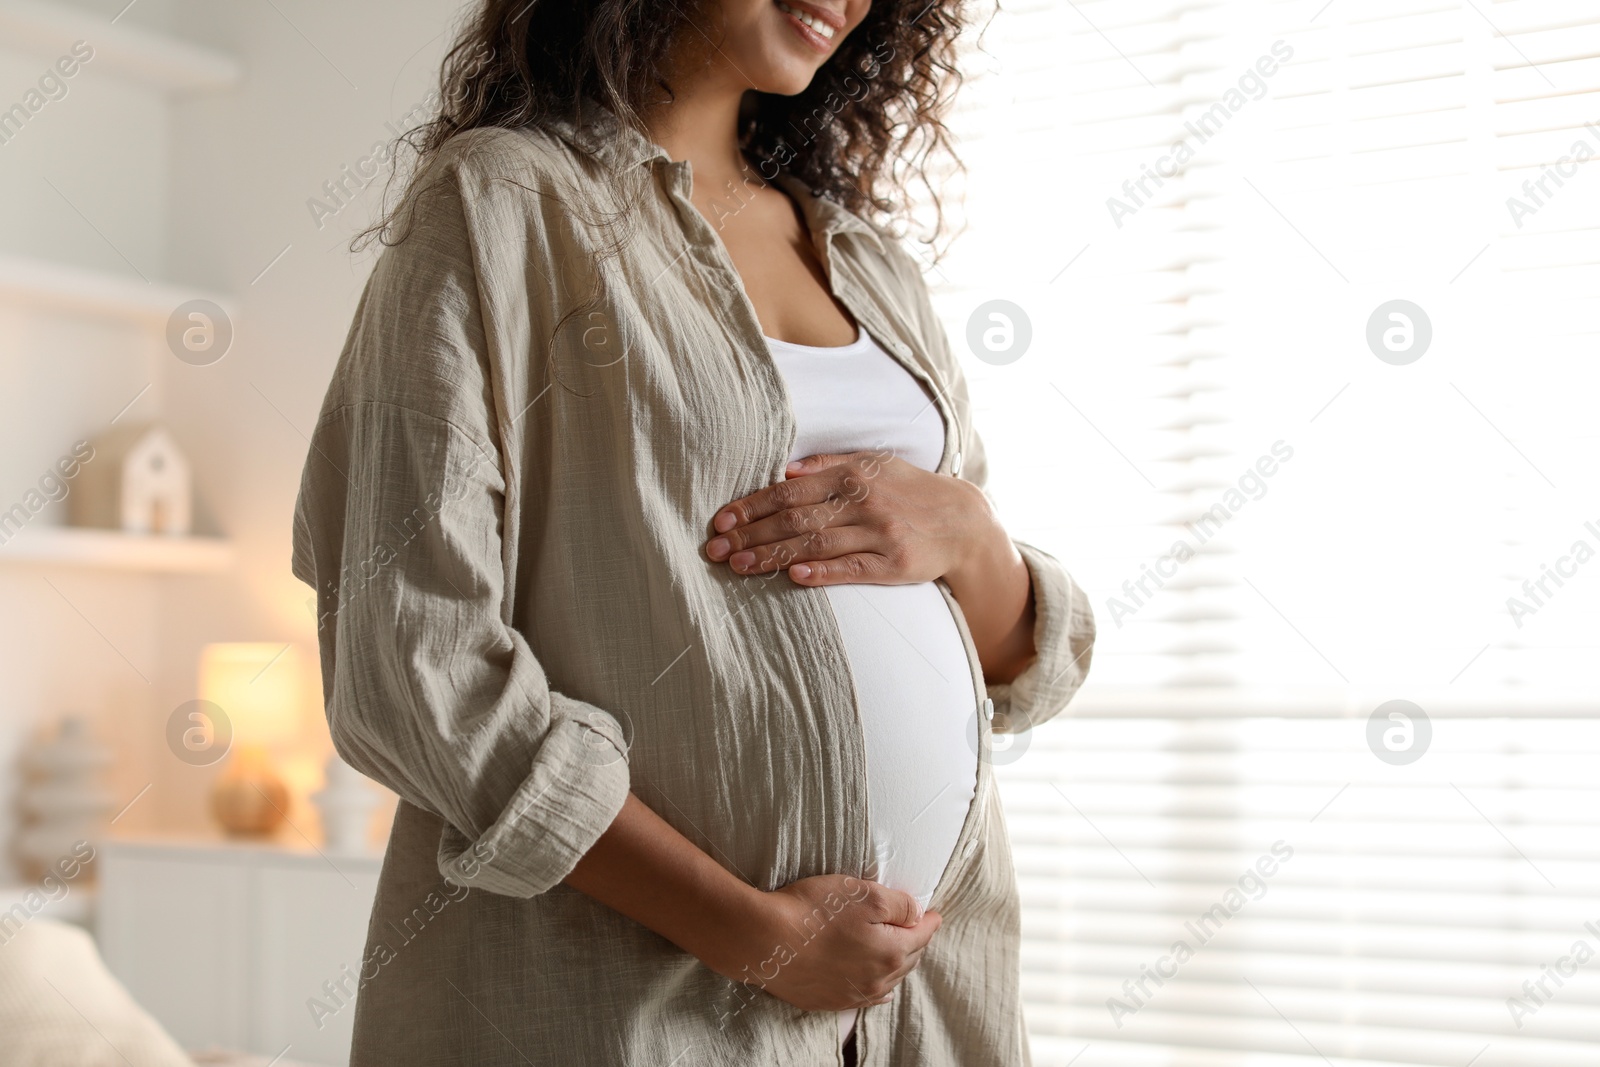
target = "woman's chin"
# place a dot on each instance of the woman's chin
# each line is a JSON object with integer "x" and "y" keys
{"x": 788, "y": 88}
{"x": 784, "y": 79}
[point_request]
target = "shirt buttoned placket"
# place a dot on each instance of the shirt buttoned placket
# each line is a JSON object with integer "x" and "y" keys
{"x": 710, "y": 254}
{"x": 713, "y": 256}
{"x": 865, "y": 312}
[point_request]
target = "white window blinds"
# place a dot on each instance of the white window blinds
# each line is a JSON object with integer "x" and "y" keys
{"x": 1289, "y": 511}
{"x": 1207, "y": 886}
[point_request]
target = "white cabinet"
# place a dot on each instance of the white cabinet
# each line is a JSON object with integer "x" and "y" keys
{"x": 242, "y": 946}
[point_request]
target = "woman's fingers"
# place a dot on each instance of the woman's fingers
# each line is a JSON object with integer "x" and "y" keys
{"x": 893, "y": 906}
{"x": 822, "y": 478}
{"x": 907, "y": 928}
{"x": 823, "y": 460}
{"x": 909, "y": 939}
{"x": 907, "y": 965}
{"x": 859, "y": 568}
{"x": 789, "y": 493}
{"x": 805, "y": 532}
{"x": 800, "y": 555}
{"x": 898, "y": 975}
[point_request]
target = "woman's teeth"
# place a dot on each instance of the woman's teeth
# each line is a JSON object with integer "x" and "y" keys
{"x": 824, "y": 30}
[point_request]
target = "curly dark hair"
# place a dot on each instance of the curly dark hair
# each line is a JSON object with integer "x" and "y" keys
{"x": 868, "y": 128}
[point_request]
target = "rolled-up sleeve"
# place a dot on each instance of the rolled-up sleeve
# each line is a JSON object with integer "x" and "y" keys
{"x": 428, "y": 690}
{"x": 428, "y": 686}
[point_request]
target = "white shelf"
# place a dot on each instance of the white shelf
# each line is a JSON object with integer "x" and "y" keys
{"x": 283, "y": 847}
{"x": 114, "y": 550}
{"x": 36, "y": 282}
{"x": 50, "y": 29}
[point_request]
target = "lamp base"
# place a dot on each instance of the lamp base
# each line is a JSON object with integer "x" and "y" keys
{"x": 249, "y": 799}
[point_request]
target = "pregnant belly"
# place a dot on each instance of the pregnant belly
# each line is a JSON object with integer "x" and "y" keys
{"x": 919, "y": 719}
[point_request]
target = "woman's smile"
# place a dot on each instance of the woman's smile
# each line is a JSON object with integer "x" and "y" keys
{"x": 814, "y": 25}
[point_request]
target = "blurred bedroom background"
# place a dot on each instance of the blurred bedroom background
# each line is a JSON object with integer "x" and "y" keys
{"x": 1282, "y": 318}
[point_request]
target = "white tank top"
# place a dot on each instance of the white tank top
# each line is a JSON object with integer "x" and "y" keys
{"x": 913, "y": 682}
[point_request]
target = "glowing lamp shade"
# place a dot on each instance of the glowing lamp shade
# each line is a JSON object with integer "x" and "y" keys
{"x": 256, "y": 690}
{"x": 257, "y": 686}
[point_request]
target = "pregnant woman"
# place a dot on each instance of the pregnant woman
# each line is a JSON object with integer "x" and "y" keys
{"x": 655, "y": 571}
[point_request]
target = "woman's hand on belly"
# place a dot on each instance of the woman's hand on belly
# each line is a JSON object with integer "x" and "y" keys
{"x": 834, "y": 942}
{"x": 862, "y": 517}
{"x": 873, "y": 518}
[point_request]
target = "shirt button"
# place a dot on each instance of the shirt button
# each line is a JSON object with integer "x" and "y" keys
{"x": 988, "y": 709}
{"x": 955, "y": 462}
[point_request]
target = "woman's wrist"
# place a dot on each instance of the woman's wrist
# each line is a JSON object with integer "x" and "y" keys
{"x": 994, "y": 587}
{"x": 984, "y": 546}
{"x": 735, "y": 931}
{"x": 987, "y": 549}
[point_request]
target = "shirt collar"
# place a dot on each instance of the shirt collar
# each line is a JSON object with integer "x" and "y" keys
{"x": 607, "y": 138}
{"x": 621, "y": 148}
{"x": 824, "y": 216}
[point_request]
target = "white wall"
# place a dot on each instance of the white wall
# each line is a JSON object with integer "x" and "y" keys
{"x": 83, "y": 182}
{"x": 206, "y": 191}
{"x": 321, "y": 86}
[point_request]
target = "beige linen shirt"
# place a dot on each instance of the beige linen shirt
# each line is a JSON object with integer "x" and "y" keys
{"x": 503, "y": 512}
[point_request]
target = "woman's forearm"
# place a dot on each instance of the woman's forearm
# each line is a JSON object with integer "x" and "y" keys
{"x": 651, "y": 873}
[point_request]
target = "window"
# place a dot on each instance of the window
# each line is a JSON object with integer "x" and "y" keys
{"x": 1311, "y": 290}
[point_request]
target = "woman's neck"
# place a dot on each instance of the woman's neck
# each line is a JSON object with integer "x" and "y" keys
{"x": 701, "y": 125}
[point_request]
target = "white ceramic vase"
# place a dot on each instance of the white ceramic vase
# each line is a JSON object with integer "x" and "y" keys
{"x": 345, "y": 802}
{"x": 63, "y": 801}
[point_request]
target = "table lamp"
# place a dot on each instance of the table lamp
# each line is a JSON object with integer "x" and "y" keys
{"x": 257, "y": 686}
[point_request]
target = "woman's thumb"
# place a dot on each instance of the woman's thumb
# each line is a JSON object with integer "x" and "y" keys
{"x": 901, "y": 909}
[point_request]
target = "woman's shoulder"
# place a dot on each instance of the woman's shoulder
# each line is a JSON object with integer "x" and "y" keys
{"x": 492, "y": 215}
{"x": 481, "y": 160}
{"x": 501, "y": 181}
